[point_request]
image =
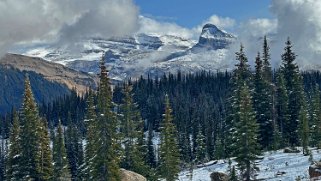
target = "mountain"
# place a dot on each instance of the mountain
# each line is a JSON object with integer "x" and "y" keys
{"x": 48, "y": 80}
{"x": 50, "y": 71}
{"x": 213, "y": 38}
{"x": 141, "y": 54}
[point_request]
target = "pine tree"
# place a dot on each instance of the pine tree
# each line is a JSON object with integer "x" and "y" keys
{"x": 282, "y": 102}
{"x": 316, "y": 117}
{"x": 14, "y": 171}
{"x": 61, "y": 166}
{"x": 262, "y": 103}
{"x": 132, "y": 129}
{"x": 106, "y": 160}
{"x": 233, "y": 175}
{"x": 267, "y": 70}
{"x": 168, "y": 150}
{"x": 304, "y": 128}
{"x": 74, "y": 149}
{"x": 45, "y": 167}
{"x": 150, "y": 149}
{"x": 200, "y": 152}
{"x": 36, "y": 161}
{"x": 240, "y": 76}
{"x": 293, "y": 84}
{"x": 246, "y": 136}
{"x": 91, "y": 124}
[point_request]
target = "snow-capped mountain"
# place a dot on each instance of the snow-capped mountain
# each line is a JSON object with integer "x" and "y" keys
{"x": 141, "y": 54}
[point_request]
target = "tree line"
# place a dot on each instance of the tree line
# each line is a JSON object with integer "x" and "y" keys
{"x": 198, "y": 117}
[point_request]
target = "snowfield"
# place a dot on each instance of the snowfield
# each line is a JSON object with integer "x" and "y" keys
{"x": 271, "y": 167}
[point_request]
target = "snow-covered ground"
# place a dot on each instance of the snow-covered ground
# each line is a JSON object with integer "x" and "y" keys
{"x": 292, "y": 164}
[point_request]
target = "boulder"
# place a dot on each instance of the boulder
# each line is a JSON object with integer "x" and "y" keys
{"x": 219, "y": 176}
{"x": 315, "y": 171}
{"x": 291, "y": 150}
{"x": 127, "y": 175}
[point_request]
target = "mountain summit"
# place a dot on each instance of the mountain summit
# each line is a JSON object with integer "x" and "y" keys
{"x": 213, "y": 38}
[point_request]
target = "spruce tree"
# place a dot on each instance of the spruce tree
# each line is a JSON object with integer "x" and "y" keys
{"x": 107, "y": 158}
{"x": 200, "y": 152}
{"x": 262, "y": 103}
{"x": 36, "y": 161}
{"x": 240, "y": 76}
{"x": 315, "y": 117}
{"x": 246, "y": 136}
{"x": 132, "y": 128}
{"x": 282, "y": 102}
{"x": 91, "y": 125}
{"x": 304, "y": 128}
{"x": 168, "y": 151}
{"x": 267, "y": 70}
{"x": 151, "y": 158}
{"x": 74, "y": 149}
{"x": 61, "y": 165}
{"x": 45, "y": 166}
{"x": 14, "y": 171}
{"x": 293, "y": 84}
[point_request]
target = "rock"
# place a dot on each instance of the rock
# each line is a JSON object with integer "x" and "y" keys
{"x": 315, "y": 171}
{"x": 291, "y": 150}
{"x": 127, "y": 175}
{"x": 219, "y": 176}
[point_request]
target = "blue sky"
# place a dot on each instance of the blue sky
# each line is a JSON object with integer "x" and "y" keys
{"x": 189, "y": 13}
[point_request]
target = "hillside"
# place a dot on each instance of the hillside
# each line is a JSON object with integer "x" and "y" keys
{"x": 50, "y": 71}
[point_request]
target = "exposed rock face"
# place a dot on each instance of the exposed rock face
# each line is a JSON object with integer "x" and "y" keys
{"x": 127, "y": 175}
{"x": 213, "y": 38}
{"x": 219, "y": 176}
{"x": 315, "y": 171}
{"x": 51, "y": 71}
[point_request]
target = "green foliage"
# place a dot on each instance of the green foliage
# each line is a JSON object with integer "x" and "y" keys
{"x": 304, "y": 128}
{"x": 293, "y": 85}
{"x": 168, "y": 151}
{"x": 246, "y": 135}
{"x": 14, "y": 156}
{"x": 61, "y": 165}
{"x": 36, "y": 160}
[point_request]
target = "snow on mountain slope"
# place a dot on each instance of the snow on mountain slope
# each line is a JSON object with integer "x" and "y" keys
{"x": 141, "y": 54}
{"x": 293, "y": 164}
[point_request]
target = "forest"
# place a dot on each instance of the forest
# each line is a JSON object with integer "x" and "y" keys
{"x": 197, "y": 117}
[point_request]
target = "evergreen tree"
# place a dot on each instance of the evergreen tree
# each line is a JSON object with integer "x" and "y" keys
{"x": 316, "y": 117}
{"x": 91, "y": 124}
{"x": 46, "y": 166}
{"x": 200, "y": 153}
{"x": 36, "y": 161}
{"x": 246, "y": 136}
{"x": 168, "y": 150}
{"x": 74, "y": 149}
{"x": 61, "y": 166}
{"x": 267, "y": 70}
{"x": 132, "y": 128}
{"x": 107, "y": 158}
{"x": 262, "y": 103}
{"x": 304, "y": 128}
{"x": 293, "y": 84}
{"x": 240, "y": 76}
{"x": 282, "y": 109}
{"x": 150, "y": 149}
{"x": 233, "y": 175}
{"x": 14, "y": 171}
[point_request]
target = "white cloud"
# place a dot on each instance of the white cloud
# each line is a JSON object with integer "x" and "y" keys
{"x": 24, "y": 21}
{"x": 300, "y": 20}
{"x": 151, "y": 26}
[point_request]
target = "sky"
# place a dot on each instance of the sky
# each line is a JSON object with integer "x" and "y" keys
{"x": 190, "y": 13}
{"x": 64, "y": 22}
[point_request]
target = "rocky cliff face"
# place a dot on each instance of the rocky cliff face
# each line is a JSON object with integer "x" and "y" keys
{"x": 127, "y": 175}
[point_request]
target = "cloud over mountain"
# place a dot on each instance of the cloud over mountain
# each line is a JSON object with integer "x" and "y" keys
{"x": 36, "y": 20}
